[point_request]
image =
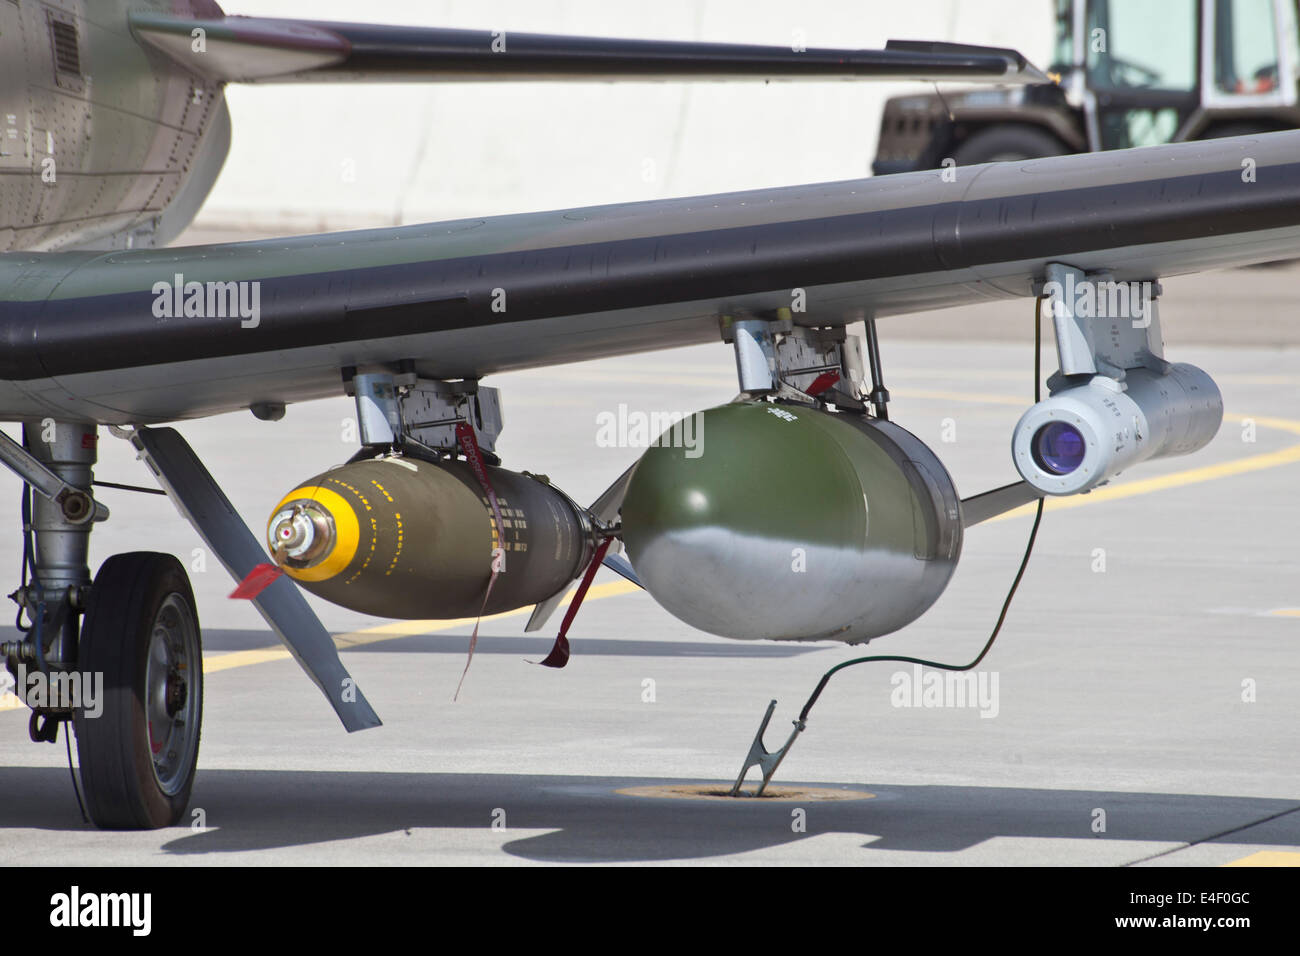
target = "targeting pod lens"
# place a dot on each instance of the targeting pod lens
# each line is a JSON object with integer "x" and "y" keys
{"x": 1059, "y": 448}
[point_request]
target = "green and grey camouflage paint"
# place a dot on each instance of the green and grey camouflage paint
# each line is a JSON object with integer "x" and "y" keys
{"x": 794, "y": 524}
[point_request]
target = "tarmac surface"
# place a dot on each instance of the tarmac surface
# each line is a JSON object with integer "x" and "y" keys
{"x": 1140, "y": 707}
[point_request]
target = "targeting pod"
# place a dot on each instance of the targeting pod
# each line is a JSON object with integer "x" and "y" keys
{"x": 1085, "y": 435}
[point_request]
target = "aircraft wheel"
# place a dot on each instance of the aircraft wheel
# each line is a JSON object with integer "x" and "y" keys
{"x": 140, "y": 631}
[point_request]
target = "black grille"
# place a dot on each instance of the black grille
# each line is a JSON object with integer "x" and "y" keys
{"x": 67, "y": 57}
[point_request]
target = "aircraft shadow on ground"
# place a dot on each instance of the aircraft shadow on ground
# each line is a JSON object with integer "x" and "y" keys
{"x": 586, "y": 821}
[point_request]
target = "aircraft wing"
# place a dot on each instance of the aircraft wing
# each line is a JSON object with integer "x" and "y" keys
{"x": 157, "y": 335}
{"x": 262, "y": 50}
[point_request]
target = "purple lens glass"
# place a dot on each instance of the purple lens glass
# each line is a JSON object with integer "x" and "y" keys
{"x": 1059, "y": 448}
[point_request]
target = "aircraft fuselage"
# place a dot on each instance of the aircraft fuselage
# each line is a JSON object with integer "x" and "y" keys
{"x": 104, "y": 144}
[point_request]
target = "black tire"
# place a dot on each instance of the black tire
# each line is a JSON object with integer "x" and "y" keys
{"x": 1007, "y": 144}
{"x": 137, "y": 614}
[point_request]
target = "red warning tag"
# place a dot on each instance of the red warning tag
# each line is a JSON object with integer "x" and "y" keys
{"x": 822, "y": 382}
{"x": 469, "y": 446}
{"x": 258, "y": 580}
{"x": 559, "y": 655}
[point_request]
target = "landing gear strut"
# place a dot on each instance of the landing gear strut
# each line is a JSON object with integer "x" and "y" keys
{"x": 129, "y": 677}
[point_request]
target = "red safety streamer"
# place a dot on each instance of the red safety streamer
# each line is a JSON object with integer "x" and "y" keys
{"x": 469, "y": 446}
{"x": 559, "y": 655}
{"x": 822, "y": 382}
{"x": 258, "y": 580}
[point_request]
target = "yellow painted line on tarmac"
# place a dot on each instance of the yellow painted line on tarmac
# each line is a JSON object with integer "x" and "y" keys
{"x": 397, "y": 629}
{"x": 224, "y": 662}
{"x": 1286, "y": 612}
{"x": 1285, "y": 424}
{"x": 1268, "y": 858}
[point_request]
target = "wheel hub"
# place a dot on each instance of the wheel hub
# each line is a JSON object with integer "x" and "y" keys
{"x": 177, "y": 692}
{"x": 169, "y": 705}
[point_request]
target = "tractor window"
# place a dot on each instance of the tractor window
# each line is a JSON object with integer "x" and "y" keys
{"x": 1142, "y": 44}
{"x": 1063, "y": 51}
{"x": 1292, "y": 30}
{"x": 1245, "y": 46}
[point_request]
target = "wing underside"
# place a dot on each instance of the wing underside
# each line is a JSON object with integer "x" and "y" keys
{"x": 140, "y": 336}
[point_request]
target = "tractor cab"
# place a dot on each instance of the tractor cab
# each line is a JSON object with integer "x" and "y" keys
{"x": 1132, "y": 73}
